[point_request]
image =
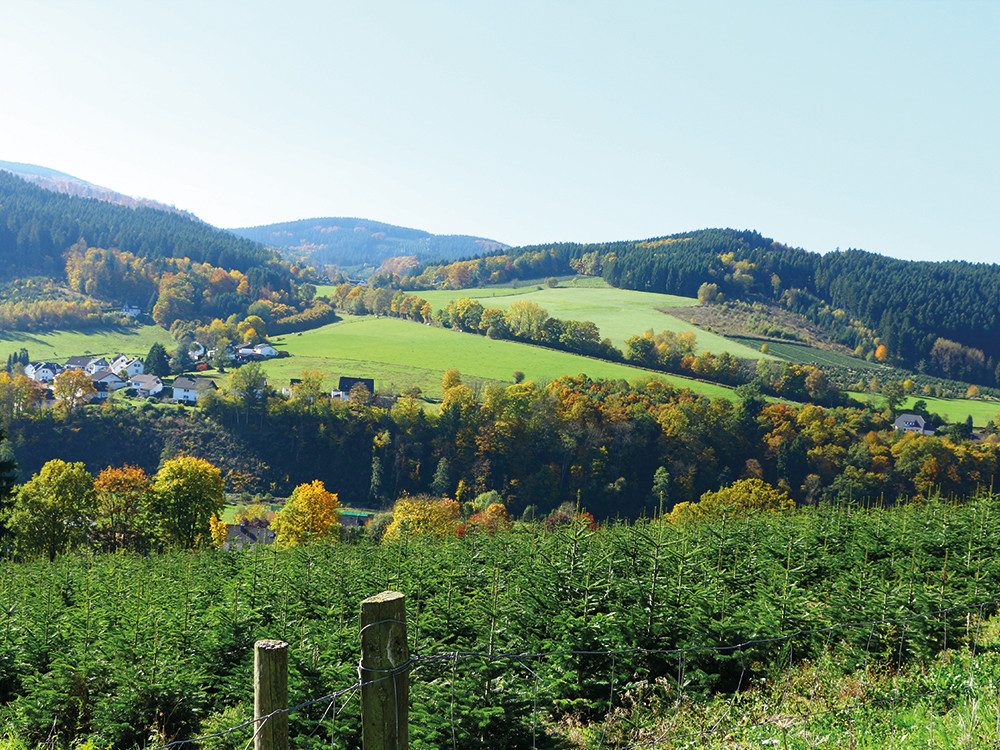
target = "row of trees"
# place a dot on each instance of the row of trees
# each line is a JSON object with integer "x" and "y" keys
{"x": 529, "y": 322}
{"x": 617, "y": 447}
{"x": 64, "y": 507}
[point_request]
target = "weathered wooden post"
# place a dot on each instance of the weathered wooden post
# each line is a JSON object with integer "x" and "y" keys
{"x": 385, "y": 679}
{"x": 270, "y": 694}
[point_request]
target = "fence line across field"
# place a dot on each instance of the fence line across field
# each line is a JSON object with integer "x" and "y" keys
{"x": 384, "y": 634}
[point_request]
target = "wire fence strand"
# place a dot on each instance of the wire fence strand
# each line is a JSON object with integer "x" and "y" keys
{"x": 531, "y": 665}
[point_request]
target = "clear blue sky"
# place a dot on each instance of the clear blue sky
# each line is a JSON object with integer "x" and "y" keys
{"x": 822, "y": 124}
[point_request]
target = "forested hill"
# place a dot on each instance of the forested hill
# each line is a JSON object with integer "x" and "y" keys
{"x": 944, "y": 315}
{"x": 349, "y": 243}
{"x": 37, "y": 226}
{"x": 60, "y": 182}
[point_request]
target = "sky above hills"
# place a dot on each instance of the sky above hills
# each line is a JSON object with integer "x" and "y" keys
{"x": 824, "y": 124}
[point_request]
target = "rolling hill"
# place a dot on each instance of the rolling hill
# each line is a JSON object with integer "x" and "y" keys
{"x": 355, "y": 245}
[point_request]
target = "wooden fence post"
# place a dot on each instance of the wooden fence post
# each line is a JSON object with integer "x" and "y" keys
{"x": 385, "y": 679}
{"x": 270, "y": 694}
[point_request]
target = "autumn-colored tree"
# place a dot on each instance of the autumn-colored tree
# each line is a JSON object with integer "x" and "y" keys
{"x": 309, "y": 389}
{"x": 188, "y": 490}
{"x": 218, "y": 529}
{"x": 312, "y": 514}
{"x": 74, "y": 388}
{"x": 881, "y": 353}
{"x": 450, "y": 379}
{"x": 742, "y": 498}
{"x": 53, "y": 510}
{"x": 255, "y": 512}
{"x": 422, "y": 515}
{"x": 495, "y": 518}
{"x": 124, "y": 508}
{"x": 19, "y": 396}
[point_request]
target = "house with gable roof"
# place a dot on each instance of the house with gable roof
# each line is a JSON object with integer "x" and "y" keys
{"x": 42, "y": 372}
{"x": 913, "y": 423}
{"x": 108, "y": 379}
{"x": 146, "y": 385}
{"x": 132, "y": 366}
{"x": 190, "y": 389}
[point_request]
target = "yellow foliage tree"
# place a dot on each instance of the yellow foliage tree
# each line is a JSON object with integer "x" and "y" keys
{"x": 74, "y": 388}
{"x": 219, "y": 530}
{"x": 422, "y": 515}
{"x": 742, "y": 498}
{"x": 312, "y": 514}
{"x": 881, "y": 353}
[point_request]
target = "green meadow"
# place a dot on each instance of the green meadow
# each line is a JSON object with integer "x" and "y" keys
{"x": 58, "y": 346}
{"x": 619, "y": 313}
{"x": 400, "y": 354}
{"x": 951, "y": 409}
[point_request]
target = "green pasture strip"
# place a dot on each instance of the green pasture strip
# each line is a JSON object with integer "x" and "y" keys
{"x": 952, "y": 409}
{"x": 60, "y": 345}
{"x": 399, "y": 354}
{"x": 619, "y": 313}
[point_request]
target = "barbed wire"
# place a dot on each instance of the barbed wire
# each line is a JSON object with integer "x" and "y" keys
{"x": 780, "y": 720}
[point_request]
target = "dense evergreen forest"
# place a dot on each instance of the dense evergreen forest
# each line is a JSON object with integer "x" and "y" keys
{"x": 350, "y": 243}
{"x": 37, "y": 226}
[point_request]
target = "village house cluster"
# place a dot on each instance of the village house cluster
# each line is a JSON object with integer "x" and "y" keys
{"x": 115, "y": 374}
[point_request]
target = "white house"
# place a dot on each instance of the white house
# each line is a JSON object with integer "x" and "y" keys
{"x": 133, "y": 311}
{"x": 132, "y": 366}
{"x": 110, "y": 380}
{"x": 913, "y": 423}
{"x": 265, "y": 350}
{"x": 42, "y": 372}
{"x": 189, "y": 389}
{"x": 146, "y": 385}
{"x": 226, "y": 354}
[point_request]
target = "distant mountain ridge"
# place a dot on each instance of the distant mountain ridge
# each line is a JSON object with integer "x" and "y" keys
{"x": 348, "y": 242}
{"x": 60, "y": 182}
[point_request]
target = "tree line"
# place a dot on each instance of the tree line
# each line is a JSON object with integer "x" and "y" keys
{"x": 620, "y": 449}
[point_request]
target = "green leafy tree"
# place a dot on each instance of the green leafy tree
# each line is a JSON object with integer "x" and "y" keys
{"x": 181, "y": 361}
{"x": 188, "y": 491}
{"x": 157, "y": 362}
{"x": 53, "y": 510}
{"x": 8, "y": 476}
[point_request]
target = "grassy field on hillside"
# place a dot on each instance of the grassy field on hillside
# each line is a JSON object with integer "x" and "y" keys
{"x": 60, "y": 345}
{"x": 619, "y": 313}
{"x": 952, "y": 409}
{"x": 399, "y": 354}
